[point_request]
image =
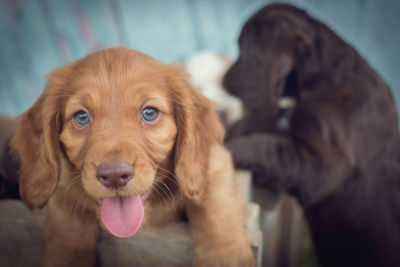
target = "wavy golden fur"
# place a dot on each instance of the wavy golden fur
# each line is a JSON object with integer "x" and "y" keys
{"x": 177, "y": 159}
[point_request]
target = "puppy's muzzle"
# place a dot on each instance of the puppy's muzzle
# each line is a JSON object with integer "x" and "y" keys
{"x": 114, "y": 175}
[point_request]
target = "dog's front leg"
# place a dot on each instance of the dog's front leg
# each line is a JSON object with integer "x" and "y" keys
{"x": 288, "y": 164}
{"x": 218, "y": 220}
{"x": 277, "y": 158}
{"x": 70, "y": 233}
{"x": 250, "y": 124}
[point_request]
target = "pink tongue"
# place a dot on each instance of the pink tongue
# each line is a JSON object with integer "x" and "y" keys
{"x": 122, "y": 215}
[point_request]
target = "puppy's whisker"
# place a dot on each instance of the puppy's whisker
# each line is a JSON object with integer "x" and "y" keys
{"x": 161, "y": 192}
{"x": 161, "y": 182}
{"x": 153, "y": 198}
{"x": 168, "y": 175}
{"x": 167, "y": 171}
{"x": 156, "y": 188}
{"x": 159, "y": 189}
{"x": 168, "y": 192}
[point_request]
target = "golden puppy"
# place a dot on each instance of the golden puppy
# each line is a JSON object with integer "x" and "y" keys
{"x": 114, "y": 140}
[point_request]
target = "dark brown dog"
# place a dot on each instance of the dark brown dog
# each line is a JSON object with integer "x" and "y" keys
{"x": 340, "y": 158}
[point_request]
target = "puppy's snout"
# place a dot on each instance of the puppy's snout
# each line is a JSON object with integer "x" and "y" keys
{"x": 114, "y": 175}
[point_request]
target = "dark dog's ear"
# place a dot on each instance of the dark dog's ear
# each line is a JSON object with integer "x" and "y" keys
{"x": 303, "y": 40}
{"x": 283, "y": 66}
{"x": 35, "y": 144}
{"x": 199, "y": 129}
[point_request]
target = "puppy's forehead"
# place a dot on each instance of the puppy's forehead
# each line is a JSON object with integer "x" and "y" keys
{"x": 119, "y": 68}
{"x": 118, "y": 72}
{"x": 115, "y": 80}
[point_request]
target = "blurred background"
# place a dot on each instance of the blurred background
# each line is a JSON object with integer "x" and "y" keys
{"x": 37, "y": 36}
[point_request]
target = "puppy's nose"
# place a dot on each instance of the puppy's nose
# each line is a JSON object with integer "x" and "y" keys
{"x": 114, "y": 175}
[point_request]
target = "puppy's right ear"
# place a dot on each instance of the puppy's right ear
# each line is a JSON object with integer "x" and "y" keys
{"x": 35, "y": 144}
{"x": 199, "y": 128}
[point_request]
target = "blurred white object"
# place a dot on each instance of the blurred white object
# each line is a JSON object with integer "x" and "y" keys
{"x": 207, "y": 69}
{"x": 286, "y": 102}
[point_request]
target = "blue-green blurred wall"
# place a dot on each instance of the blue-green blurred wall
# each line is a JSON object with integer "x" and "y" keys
{"x": 39, "y": 35}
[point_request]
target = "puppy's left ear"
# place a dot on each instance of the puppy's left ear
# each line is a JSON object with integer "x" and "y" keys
{"x": 199, "y": 128}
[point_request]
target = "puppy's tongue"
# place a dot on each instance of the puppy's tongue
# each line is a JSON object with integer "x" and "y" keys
{"x": 122, "y": 216}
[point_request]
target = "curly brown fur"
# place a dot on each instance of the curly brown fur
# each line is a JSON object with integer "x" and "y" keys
{"x": 341, "y": 155}
{"x": 177, "y": 159}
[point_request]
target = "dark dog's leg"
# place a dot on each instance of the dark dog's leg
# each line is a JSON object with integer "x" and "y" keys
{"x": 287, "y": 164}
{"x": 250, "y": 124}
{"x": 267, "y": 154}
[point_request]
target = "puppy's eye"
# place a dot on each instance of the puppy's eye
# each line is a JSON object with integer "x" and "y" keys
{"x": 149, "y": 114}
{"x": 82, "y": 118}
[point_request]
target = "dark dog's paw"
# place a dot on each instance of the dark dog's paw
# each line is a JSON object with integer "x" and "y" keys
{"x": 242, "y": 152}
{"x": 240, "y": 128}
